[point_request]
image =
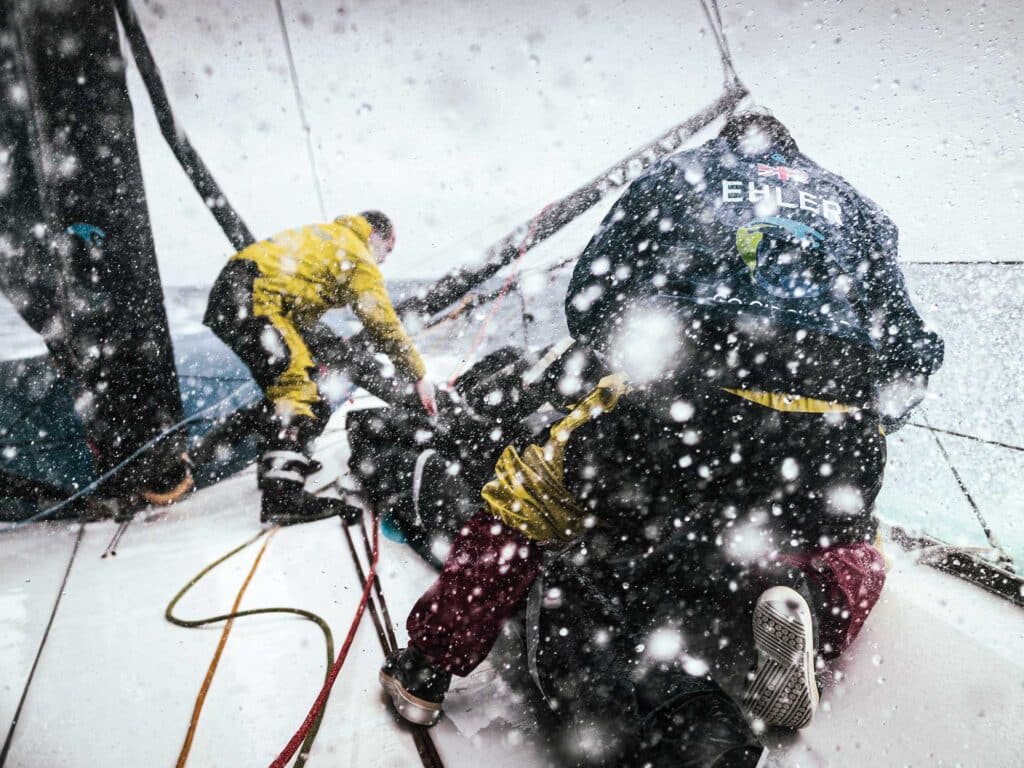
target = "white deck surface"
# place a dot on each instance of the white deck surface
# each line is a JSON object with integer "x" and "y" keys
{"x": 935, "y": 679}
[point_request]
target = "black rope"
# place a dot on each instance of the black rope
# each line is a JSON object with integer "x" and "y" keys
{"x": 975, "y": 438}
{"x": 42, "y": 644}
{"x": 234, "y": 228}
{"x": 115, "y": 540}
{"x": 388, "y": 625}
{"x": 302, "y": 108}
{"x": 386, "y": 645}
{"x": 1007, "y": 263}
{"x": 1004, "y": 558}
{"x": 386, "y": 636}
{"x": 721, "y": 26}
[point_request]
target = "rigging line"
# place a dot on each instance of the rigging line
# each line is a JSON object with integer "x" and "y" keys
{"x": 235, "y": 230}
{"x": 374, "y": 614}
{"x": 116, "y": 538}
{"x": 721, "y": 26}
{"x": 714, "y": 33}
{"x": 976, "y": 262}
{"x": 482, "y": 334}
{"x": 469, "y": 303}
{"x": 473, "y": 235}
{"x": 379, "y": 588}
{"x": 302, "y": 108}
{"x": 724, "y": 39}
{"x": 1004, "y": 558}
{"x": 41, "y": 445}
{"x": 552, "y": 267}
{"x": 715, "y": 23}
{"x": 975, "y": 438}
{"x": 451, "y": 286}
{"x": 421, "y": 737}
{"x": 197, "y": 709}
{"x": 42, "y": 644}
{"x": 729, "y": 72}
{"x": 44, "y": 446}
{"x": 309, "y": 615}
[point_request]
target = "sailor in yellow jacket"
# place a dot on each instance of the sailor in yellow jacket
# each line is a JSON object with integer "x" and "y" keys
{"x": 265, "y": 305}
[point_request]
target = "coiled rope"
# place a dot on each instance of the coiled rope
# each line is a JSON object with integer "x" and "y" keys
{"x": 229, "y": 619}
{"x": 316, "y": 710}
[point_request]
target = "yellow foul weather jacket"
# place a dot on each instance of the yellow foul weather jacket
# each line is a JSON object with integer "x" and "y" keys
{"x": 306, "y": 271}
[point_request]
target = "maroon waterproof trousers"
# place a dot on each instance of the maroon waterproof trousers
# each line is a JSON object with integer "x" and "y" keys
{"x": 491, "y": 567}
{"x": 485, "y": 577}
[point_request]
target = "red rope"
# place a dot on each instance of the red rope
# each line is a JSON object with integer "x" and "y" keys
{"x": 481, "y": 335}
{"x": 321, "y": 700}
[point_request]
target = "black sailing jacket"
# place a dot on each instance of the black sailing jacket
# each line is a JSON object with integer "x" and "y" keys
{"x": 780, "y": 271}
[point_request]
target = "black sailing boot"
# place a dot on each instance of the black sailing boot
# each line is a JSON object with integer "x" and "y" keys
{"x": 282, "y": 478}
{"x": 700, "y": 728}
{"x": 416, "y": 688}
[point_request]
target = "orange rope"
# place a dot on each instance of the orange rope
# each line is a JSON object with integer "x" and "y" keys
{"x": 316, "y": 711}
{"x": 205, "y": 687}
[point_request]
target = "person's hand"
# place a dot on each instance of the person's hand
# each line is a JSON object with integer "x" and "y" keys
{"x": 425, "y": 390}
{"x": 898, "y": 397}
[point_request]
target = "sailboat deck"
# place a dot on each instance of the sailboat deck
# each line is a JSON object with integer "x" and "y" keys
{"x": 935, "y": 677}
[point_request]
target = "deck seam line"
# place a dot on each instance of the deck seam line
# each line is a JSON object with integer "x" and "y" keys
{"x": 42, "y": 644}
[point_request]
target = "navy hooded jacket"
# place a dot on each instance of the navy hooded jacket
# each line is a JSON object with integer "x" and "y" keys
{"x": 780, "y": 272}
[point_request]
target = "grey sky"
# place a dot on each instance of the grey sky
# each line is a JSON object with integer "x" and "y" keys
{"x": 464, "y": 118}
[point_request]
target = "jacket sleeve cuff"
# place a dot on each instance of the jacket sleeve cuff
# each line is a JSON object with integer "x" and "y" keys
{"x": 414, "y": 365}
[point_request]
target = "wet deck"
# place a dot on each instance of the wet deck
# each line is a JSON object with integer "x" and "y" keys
{"x": 934, "y": 679}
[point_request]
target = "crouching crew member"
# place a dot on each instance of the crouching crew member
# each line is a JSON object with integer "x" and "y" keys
{"x": 756, "y": 302}
{"x": 266, "y": 306}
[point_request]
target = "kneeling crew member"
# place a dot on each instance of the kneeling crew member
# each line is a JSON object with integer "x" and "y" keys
{"x": 264, "y": 305}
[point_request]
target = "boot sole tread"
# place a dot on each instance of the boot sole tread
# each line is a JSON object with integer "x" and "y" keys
{"x": 783, "y": 691}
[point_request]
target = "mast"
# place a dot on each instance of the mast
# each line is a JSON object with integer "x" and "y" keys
{"x": 82, "y": 269}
